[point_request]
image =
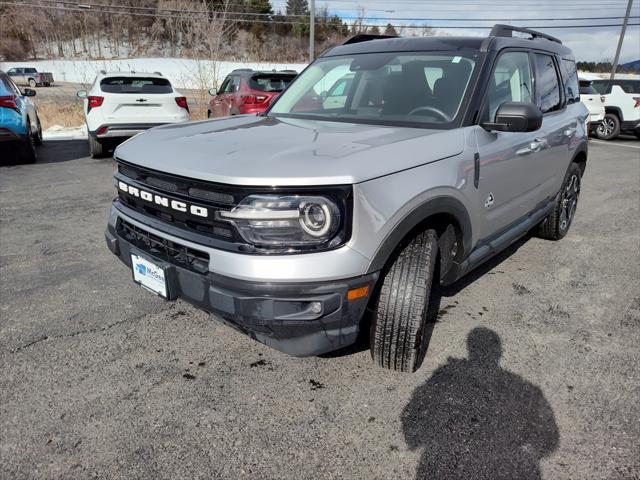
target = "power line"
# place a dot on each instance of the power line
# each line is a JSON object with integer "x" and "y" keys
{"x": 105, "y": 8}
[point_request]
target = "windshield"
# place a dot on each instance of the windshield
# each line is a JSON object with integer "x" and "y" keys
{"x": 135, "y": 85}
{"x": 425, "y": 89}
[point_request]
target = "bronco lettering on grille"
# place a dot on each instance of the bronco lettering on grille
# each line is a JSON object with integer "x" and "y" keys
{"x": 163, "y": 201}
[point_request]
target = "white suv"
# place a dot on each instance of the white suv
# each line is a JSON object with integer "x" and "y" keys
{"x": 122, "y": 104}
{"x": 622, "y": 105}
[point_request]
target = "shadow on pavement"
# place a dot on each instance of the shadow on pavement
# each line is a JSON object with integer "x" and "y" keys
{"x": 53, "y": 151}
{"x": 474, "y": 419}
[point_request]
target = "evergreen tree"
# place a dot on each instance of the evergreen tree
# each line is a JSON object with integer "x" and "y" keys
{"x": 390, "y": 30}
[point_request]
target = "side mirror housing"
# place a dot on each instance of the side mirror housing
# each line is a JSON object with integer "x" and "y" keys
{"x": 515, "y": 117}
{"x": 81, "y": 93}
{"x": 213, "y": 91}
{"x": 28, "y": 92}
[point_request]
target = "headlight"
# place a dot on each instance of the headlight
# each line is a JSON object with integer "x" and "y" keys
{"x": 287, "y": 221}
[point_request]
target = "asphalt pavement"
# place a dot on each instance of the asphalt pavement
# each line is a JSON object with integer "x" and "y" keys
{"x": 531, "y": 371}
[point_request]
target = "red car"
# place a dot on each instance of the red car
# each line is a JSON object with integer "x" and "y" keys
{"x": 247, "y": 91}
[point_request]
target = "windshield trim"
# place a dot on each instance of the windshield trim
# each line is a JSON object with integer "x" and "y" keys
{"x": 457, "y": 122}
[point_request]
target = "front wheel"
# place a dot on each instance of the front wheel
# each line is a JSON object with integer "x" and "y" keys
{"x": 557, "y": 224}
{"x": 399, "y": 324}
{"x": 38, "y": 135}
{"x": 609, "y": 128}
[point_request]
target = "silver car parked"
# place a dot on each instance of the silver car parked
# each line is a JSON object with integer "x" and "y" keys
{"x": 389, "y": 166}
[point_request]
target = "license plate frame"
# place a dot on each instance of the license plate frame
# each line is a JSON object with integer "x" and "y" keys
{"x": 150, "y": 275}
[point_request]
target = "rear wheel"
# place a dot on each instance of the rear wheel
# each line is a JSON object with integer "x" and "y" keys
{"x": 399, "y": 321}
{"x": 557, "y": 224}
{"x": 38, "y": 135}
{"x": 609, "y": 128}
{"x": 29, "y": 153}
{"x": 96, "y": 149}
{"x": 32, "y": 83}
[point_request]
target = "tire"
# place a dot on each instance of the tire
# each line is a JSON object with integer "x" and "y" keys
{"x": 96, "y": 149}
{"x": 399, "y": 319}
{"x": 609, "y": 128}
{"x": 29, "y": 153}
{"x": 557, "y": 224}
{"x": 637, "y": 134}
{"x": 32, "y": 83}
{"x": 38, "y": 135}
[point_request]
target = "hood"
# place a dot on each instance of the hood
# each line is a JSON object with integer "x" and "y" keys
{"x": 259, "y": 151}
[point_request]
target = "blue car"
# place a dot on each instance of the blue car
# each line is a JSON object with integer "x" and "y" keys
{"x": 20, "y": 129}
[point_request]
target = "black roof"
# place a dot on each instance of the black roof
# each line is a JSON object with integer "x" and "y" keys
{"x": 496, "y": 41}
{"x": 249, "y": 72}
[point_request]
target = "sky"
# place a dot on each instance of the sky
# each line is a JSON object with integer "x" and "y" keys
{"x": 588, "y": 44}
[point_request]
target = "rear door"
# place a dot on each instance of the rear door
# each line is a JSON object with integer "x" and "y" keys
{"x": 560, "y": 105}
{"x": 510, "y": 162}
{"x": 138, "y": 100}
{"x": 221, "y": 103}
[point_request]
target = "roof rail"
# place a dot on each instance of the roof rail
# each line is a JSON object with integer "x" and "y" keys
{"x": 289, "y": 71}
{"x": 103, "y": 71}
{"x": 501, "y": 30}
{"x": 242, "y": 70}
{"x": 365, "y": 37}
{"x": 158, "y": 73}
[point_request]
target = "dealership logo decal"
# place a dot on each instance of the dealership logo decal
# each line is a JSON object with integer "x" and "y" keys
{"x": 163, "y": 201}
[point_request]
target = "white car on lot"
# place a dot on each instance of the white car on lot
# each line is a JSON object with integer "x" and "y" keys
{"x": 594, "y": 102}
{"x": 622, "y": 105}
{"x": 122, "y": 104}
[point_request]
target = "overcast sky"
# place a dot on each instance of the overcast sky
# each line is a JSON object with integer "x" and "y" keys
{"x": 588, "y": 44}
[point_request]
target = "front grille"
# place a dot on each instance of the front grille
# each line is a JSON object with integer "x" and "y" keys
{"x": 172, "y": 252}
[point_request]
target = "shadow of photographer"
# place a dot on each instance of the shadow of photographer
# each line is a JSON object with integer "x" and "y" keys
{"x": 474, "y": 419}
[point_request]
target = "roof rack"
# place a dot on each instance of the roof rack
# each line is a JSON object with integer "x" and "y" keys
{"x": 365, "y": 37}
{"x": 501, "y": 30}
{"x": 242, "y": 70}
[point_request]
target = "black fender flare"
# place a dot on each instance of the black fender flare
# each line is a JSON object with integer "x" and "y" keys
{"x": 616, "y": 111}
{"x": 434, "y": 206}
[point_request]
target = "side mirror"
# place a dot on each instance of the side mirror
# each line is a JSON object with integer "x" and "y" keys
{"x": 515, "y": 117}
{"x": 81, "y": 93}
{"x": 29, "y": 92}
{"x": 213, "y": 91}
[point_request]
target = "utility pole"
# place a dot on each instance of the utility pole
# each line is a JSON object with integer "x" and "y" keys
{"x": 312, "y": 29}
{"x": 624, "y": 29}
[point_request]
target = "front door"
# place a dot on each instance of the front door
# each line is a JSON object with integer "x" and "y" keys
{"x": 510, "y": 163}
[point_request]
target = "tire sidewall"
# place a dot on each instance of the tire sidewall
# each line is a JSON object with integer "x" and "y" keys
{"x": 616, "y": 127}
{"x": 573, "y": 170}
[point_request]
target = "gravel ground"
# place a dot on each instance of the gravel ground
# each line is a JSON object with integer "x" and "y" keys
{"x": 532, "y": 368}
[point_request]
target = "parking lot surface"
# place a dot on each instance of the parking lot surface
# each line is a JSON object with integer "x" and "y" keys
{"x": 531, "y": 371}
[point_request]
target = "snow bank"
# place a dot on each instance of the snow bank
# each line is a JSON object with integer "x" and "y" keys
{"x": 58, "y": 132}
{"x": 182, "y": 72}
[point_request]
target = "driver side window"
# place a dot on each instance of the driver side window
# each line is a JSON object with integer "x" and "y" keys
{"x": 511, "y": 82}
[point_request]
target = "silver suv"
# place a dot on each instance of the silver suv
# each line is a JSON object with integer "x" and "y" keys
{"x": 389, "y": 166}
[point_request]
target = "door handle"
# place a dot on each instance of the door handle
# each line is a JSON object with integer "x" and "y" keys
{"x": 534, "y": 147}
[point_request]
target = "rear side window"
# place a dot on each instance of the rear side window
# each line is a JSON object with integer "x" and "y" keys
{"x": 629, "y": 86}
{"x": 5, "y": 87}
{"x": 547, "y": 85}
{"x": 30, "y": 70}
{"x": 588, "y": 90}
{"x": 270, "y": 83}
{"x": 570, "y": 79}
{"x": 135, "y": 85}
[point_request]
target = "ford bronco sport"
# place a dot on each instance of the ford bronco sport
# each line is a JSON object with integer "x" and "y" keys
{"x": 335, "y": 211}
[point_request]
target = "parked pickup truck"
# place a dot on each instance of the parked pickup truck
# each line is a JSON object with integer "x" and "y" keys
{"x": 30, "y": 76}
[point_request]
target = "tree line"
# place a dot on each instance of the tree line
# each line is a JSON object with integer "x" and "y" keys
{"x": 246, "y": 30}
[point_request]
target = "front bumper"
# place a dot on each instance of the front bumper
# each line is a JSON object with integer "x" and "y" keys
{"x": 298, "y": 318}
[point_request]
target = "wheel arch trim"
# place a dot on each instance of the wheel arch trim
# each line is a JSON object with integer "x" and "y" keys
{"x": 441, "y": 205}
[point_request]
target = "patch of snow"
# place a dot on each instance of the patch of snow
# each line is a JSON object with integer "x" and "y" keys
{"x": 181, "y": 72}
{"x": 58, "y": 132}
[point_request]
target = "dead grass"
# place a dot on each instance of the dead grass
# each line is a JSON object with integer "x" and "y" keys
{"x": 67, "y": 112}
